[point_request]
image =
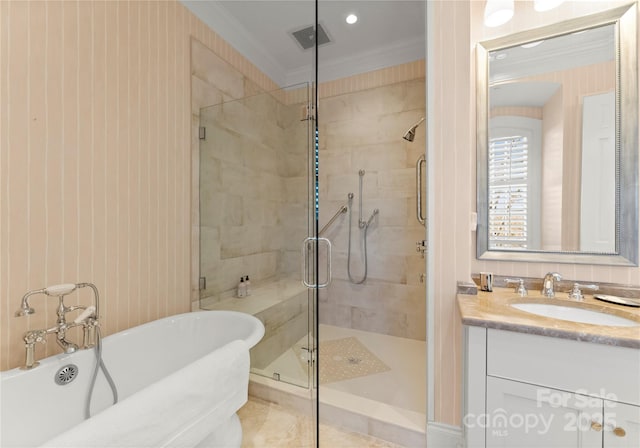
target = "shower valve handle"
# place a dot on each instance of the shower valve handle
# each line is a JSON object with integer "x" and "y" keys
{"x": 421, "y": 246}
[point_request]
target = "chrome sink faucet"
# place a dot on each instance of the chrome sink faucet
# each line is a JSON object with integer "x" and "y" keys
{"x": 549, "y": 284}
{"x": 88, "y": 319}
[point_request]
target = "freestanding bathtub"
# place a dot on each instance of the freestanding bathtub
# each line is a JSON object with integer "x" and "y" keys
{"x": 180, "y": 381}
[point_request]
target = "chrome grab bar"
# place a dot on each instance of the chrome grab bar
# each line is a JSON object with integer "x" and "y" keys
{"x": 342, "y": 209}
{"x": 421, "y": 161}
{"x": 305, "y": 262}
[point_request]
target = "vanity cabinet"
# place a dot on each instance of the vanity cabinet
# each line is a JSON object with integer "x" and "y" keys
{"x": 525, "y": 415}
{"x": 624, "y": 429}
{"x": 524, "y": 390}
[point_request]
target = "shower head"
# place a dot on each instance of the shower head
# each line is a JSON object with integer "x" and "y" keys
{"x": 411, "y": 133}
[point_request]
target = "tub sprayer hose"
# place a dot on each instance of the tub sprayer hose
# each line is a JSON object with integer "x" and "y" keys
{"x": 99, "y": 365}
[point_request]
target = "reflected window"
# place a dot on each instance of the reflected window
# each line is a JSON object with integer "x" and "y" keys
{"x": 508, "y": 193}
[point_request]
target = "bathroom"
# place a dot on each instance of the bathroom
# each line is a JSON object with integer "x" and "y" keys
{"x": 99, "y": 97}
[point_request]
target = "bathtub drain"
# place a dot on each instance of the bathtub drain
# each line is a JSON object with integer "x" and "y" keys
{"x": 66, "y": 374}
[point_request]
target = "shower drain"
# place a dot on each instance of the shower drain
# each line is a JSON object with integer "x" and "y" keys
{"x": 66, "y": 374}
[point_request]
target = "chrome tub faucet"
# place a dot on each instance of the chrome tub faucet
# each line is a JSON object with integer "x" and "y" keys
{"x": 88, "y": 319}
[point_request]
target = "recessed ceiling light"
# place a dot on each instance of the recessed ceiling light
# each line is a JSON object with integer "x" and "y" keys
{"x": 351, "y": 19}
{"x": 501, "y": 56}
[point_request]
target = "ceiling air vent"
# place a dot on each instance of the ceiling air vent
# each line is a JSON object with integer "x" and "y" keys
{"x": 306, "y": 37}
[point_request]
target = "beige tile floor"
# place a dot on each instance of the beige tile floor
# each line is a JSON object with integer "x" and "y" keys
{"x": 268, "y": 425}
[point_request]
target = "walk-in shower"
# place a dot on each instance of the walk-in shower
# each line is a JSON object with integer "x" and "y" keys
{"x": 273, "y": 175}
{"x": 256, "y": 209}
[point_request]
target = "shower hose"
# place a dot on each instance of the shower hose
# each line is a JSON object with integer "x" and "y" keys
{"x": 364, "y": 277}
{"x": 99, "y": 365}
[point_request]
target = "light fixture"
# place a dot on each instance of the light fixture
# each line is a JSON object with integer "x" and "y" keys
{"x": 546, "y": 5}
{"x": 497, "y": 12}
{"x": 351, "y": 19}
{"x": 532, "y": 44}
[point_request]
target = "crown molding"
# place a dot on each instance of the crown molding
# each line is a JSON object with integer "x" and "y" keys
{"x": 232, "y": 31}
{"x": 383, "y": 57}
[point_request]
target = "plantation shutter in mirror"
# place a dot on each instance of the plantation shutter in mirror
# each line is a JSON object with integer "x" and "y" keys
{"x": 508, "y": 171}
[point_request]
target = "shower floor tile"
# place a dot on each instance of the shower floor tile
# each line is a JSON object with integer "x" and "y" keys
{"x": 347, "y": 358}
{"x": 403, "y": 386}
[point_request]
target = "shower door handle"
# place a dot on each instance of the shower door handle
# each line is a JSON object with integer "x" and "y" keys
{"x": 305, "y": 262}
{"x": 419, "y": 213}
{"x": 328, "y": 243}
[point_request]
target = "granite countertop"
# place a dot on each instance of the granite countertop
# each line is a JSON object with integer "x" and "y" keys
{"x": 493, "y": 310}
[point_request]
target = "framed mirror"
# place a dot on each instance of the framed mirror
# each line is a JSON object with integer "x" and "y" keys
{"x": 557, "y": 142}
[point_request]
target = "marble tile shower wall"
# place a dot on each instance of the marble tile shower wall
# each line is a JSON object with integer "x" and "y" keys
{"x": 253, "y": 191}
{"x": 363, "y": 130}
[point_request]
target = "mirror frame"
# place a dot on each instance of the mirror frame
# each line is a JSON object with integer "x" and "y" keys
{"x": 626, "y": 59}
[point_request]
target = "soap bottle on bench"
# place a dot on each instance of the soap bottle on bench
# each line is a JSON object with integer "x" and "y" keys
{"x": 247, "y": 283}
{"x": 242, "y": 288}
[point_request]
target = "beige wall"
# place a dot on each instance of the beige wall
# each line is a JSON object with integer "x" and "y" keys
{"x": 361, "y": 128}
{"x": 95, "y": 158}
{"x": 552, "y": 160}
{"x": 454, "y": 159}
{"x": 452, "y": 187}
{"x": 518, "y": 111}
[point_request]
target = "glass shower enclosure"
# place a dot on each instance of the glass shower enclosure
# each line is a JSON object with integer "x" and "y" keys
{"x": 256, "y": 194}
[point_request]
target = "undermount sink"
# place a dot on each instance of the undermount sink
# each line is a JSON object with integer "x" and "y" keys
{"x": 575, "y": 314}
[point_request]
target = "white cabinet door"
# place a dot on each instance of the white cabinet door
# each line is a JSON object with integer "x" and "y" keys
{"x": 622, "y": 425}
{"x": 524, "y": 415}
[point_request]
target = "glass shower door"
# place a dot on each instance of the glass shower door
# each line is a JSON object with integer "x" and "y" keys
{"x": 372, "y": 318}
{"x": 256, "y": 196}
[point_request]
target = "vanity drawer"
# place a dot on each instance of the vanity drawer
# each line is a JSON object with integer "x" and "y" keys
{"x": 607, "y": 371}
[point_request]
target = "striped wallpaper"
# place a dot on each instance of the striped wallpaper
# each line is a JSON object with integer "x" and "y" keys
{"x": 450, "y": 181}
{"x": 95, "y": 161}
{"x": 376, "y": 78}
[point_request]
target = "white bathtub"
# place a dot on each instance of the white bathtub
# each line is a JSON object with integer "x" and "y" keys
{"x": 180, "y": 382}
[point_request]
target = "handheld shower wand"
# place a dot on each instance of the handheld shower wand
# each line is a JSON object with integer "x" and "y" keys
{"x": 373, "y": 215}
{"x": 362, "y": 224}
